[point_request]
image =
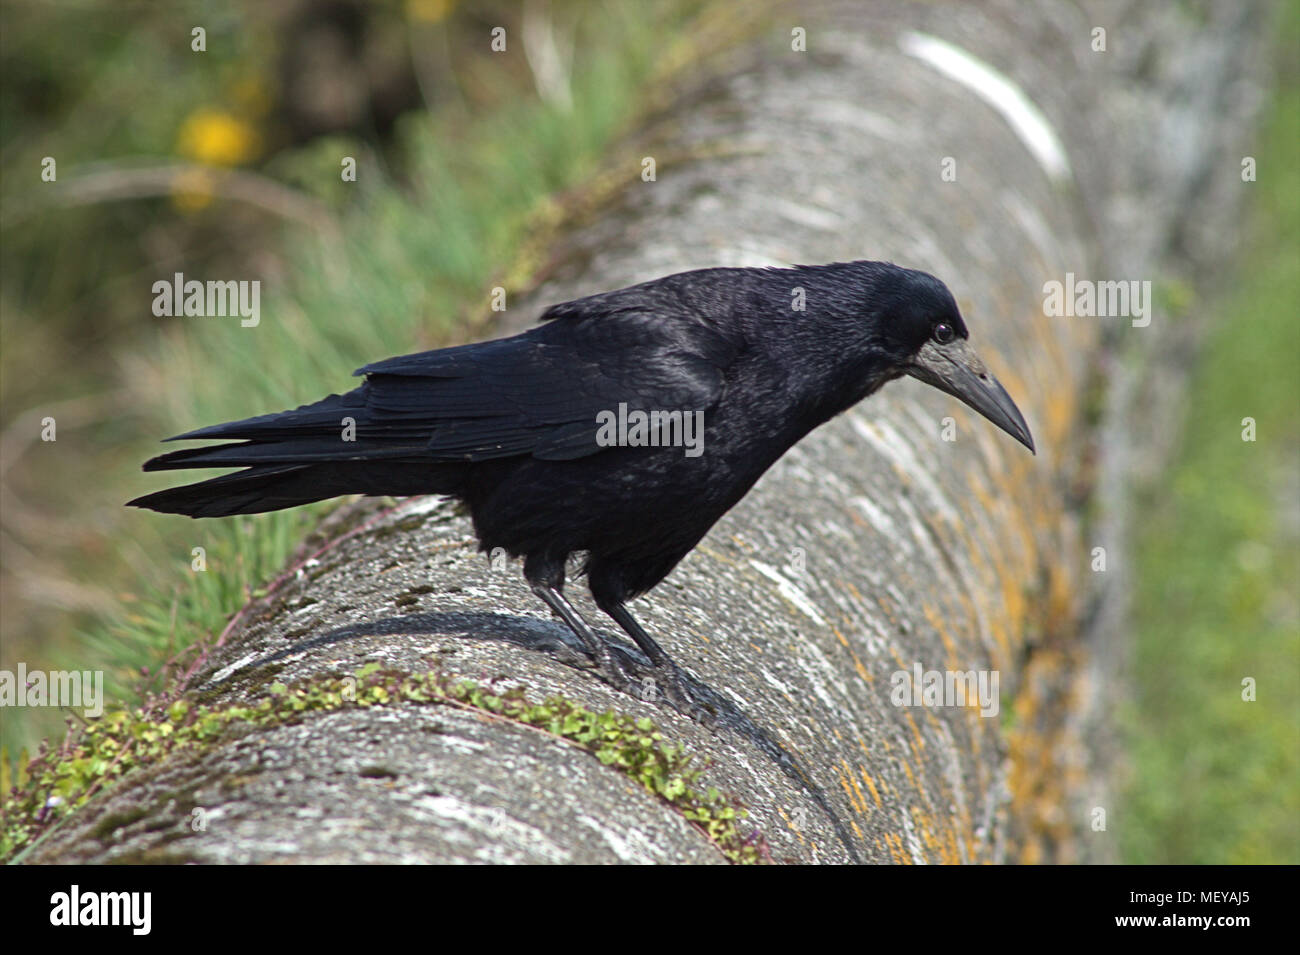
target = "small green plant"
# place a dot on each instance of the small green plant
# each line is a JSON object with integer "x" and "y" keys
{"x": 48, "y": 788}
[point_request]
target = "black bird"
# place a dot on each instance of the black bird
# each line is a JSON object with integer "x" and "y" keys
{"x": 519, "y": 428}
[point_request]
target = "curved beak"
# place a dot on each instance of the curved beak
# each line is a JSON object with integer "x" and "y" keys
{"x": 957, "y": 370}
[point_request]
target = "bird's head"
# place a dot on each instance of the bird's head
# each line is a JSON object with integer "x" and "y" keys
{"x": 920, "y": 329}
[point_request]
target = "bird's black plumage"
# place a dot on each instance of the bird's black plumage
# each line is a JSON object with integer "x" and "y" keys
{"x": 511, "y": 427}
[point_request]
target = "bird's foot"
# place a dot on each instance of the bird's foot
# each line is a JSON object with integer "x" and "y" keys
{"x": 671, "y": 682}
{"x": 627, "y": 673}
{"x": 614, "y": 668}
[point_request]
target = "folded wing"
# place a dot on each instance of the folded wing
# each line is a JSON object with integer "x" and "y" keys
{"x": 538, "y": 393}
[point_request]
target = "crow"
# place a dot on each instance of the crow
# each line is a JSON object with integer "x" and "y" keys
{"x": 622, "y": 426}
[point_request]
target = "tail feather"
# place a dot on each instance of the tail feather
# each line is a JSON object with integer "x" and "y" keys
{"x": 272, "y": 488}
{"x": 253, "y": 491}
{"x": 297, "y": 457}
{"x": 302, "y": 449}
{"x": 326, "y": 414}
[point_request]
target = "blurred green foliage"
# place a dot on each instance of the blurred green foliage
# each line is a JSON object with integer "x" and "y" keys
{"x": 446, "y": 196}
{"x": 1216, "y": 779}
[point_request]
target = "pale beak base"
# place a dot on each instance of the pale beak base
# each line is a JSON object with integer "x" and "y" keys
{"x": 956, "y": 369}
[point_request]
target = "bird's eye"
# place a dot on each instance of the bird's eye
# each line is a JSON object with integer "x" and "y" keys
{"x": 943, "y": 333}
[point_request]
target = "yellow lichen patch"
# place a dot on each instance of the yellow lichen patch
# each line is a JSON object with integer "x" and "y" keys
{"x": 918, "y": 741}
{"x": 911, "y": 777}
{"x": 1018, "y": 484}
{"x": 980, "y": 493}
{"x": 982, "y": 607}
{"x": 1058, "y": 415}
{"x": 789, "y": 824}
{"x": 848, "y": 585}
{"x": 968, "y": 611}
{"x": 1014, "y": 606}
{"x": 923, "y": 823}
{"x": 715, "y": 555}
{"x": 742, "y": 545}
{"x": 896, "y": 850}
{"x": 950, "y": 849}
{"x": 960, "y": 831}
{"x": 866, "y": 778}
{"x": 862, "y": 670}
{"x": 935, "y": 619}
{"x": 1061, "y": 589}
{"x": 883, "y": 603}
{"x": 862, "y": 799}
{"x": 1045, "y": 756}
{"x": 854, "y": 801}
{"x": 1001, "y": 636}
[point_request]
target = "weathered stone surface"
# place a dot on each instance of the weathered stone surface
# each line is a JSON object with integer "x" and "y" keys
{"x": 872, "y": 547}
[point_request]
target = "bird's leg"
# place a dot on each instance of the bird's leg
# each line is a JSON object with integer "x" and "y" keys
{"x": 672, "y": 679}
{"x": 548, "y": 583}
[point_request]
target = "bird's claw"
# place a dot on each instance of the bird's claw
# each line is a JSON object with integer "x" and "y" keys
{"x": 651, "y": 684}
{"x": 671, "y": 682}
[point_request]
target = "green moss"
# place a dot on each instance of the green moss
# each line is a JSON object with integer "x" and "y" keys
{"x": 50, "y": 787}
{"x": 113, "y": 821}
{"x": 250, "y": 682}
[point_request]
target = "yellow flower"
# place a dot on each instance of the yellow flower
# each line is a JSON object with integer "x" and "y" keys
{"x": 430, "y": 11}
{"x": 217, "y": 138}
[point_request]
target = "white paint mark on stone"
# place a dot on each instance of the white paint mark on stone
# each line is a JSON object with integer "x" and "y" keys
{"x": 632, "y": 847}
{"x": 886, "y": 439}
{"x": 774, "y": 681}
{"x": 421, "y": 505}
{"x": 239, "y": 664}
{"x": 817, "y": 667}
{"x": 466, "y": 747}
{"x": 913, "y": 840}
{"x": 807, "y": 215}
{"x": 500, "y": 827}
{"x": 841, "y": 113}
{"x": 790, "y": 592}
{"x": 999, "y": 92}
{"x": 876, "y": 517}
